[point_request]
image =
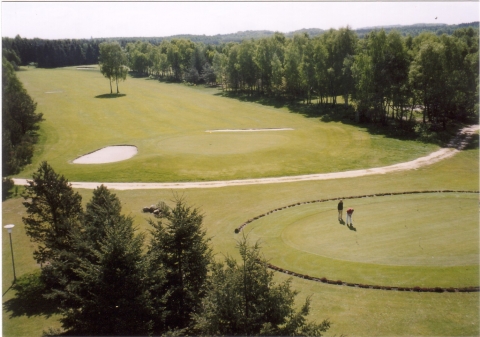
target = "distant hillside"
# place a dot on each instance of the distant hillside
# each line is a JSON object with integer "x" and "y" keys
{"x": 415, "y": 29}
{"x": 418, "y": 28}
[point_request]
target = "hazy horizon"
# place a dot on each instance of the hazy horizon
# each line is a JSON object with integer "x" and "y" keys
{"x": 78, "y": 20}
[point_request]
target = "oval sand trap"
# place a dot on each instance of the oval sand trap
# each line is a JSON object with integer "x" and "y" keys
{"x": 109, "y": 154}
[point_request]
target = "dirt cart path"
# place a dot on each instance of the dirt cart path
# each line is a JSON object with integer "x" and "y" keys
{"x": 455, "y": 145}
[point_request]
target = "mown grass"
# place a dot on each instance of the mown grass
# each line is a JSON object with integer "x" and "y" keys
{"x": 354, "y": 312}
{"x": 428, "y": 240}
{"x": 167, "y": 123}
{"x": 70, "y": 131}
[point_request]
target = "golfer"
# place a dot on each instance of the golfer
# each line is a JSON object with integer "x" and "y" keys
{"x": 349, "y": 216}
{"x": 340, "y": 210}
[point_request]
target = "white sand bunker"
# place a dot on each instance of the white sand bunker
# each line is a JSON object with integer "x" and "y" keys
{"x": 109, "y": 154}
{"x": 54, "y": 92}
{"x": 250, "y": 130}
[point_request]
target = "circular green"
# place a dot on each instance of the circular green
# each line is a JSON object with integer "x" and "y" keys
{"x": 416, "y": 239}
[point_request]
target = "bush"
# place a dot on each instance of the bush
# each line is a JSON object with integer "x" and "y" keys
{"x": 29, "y": 285}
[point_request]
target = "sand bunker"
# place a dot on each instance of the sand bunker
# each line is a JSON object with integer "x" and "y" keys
{"x": 249, "y": 130}
{"x": 53, "y": 92}
{"x": 87, "y": 68}
{"x": 109, "y": 154}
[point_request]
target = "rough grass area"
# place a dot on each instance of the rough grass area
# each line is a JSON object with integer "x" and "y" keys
{"x": 167, "y": 123}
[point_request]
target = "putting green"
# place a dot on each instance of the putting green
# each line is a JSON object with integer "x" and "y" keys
{"x": 211, "y": 144}
{"x": 415, "y": 239}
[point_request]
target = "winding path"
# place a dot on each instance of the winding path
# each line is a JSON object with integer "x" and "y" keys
{"x": 456, "y": 144}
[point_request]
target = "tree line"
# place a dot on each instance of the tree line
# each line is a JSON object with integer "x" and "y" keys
{"x": 71, "y": 52}
{"x": 387, "y": 77}
{"x": 106, "y": 279}
{"x": 51, "y": 53}
{"x": 20, "y": 123}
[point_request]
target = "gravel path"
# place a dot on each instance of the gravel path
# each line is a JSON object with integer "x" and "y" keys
{"x": 455, "y": 145}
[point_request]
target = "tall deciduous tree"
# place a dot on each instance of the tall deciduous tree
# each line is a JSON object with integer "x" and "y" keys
{"x": 113, "y": 62}
{"x": 180, "y": 246}
{"x": 243, "y": 299}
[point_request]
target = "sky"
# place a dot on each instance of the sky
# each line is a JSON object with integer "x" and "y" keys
{"x": 76, "y": 20}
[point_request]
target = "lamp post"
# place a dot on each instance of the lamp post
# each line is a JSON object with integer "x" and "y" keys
{"x": 9, "y": 229}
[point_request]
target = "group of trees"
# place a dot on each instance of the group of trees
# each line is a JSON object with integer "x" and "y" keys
{"x": 52, "y": 53}
{"x": 178, "y": 59}
{"x": 108, "y": 280}
{"x": 69, "y": 52}
{"x": 112, "y": 62}
{"x": 20, "y": 123}
{"x": 386, "y": 75}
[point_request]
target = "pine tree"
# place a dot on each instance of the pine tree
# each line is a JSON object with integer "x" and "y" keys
{"x": 109, "y": 296}
{"x": 19, "y": 122}
{"x": 243, "y": 299}
{"x": 53, "y": 211}
{"x": 108, "y": 292}
{"x": 180, "y": 246}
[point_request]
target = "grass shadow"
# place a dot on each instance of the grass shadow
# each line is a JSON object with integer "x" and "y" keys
{"x": 110, "y": 95}
{"x": 29, "y": 300}
{"x": 350, "y": 226}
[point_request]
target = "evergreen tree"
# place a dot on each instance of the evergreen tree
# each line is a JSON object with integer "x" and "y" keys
{"x": 53, "y": 211}
{"x": 243, "y": 299}
{"x": 180, "y": 246}
{"x": 19, "y": 122}
{"x": 107, "y": 289}
{"x": 109, "y": 296}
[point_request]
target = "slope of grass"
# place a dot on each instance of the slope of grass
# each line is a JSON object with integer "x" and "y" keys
{"x": 167, "y": 123}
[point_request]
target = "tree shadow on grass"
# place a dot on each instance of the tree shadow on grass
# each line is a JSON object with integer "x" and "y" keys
{"x": 110, "y": 95}
{"x": 29, "y": 300}
{"x": 473, "y": 144}
{"x": 346, "y": 115}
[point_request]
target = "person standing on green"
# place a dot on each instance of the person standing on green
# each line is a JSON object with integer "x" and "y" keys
{"x": 340, "y": 210}
{"x": 349, "y": 216}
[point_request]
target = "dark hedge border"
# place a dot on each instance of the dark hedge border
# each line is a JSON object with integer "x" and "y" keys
{"x": 358, "y": 285}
